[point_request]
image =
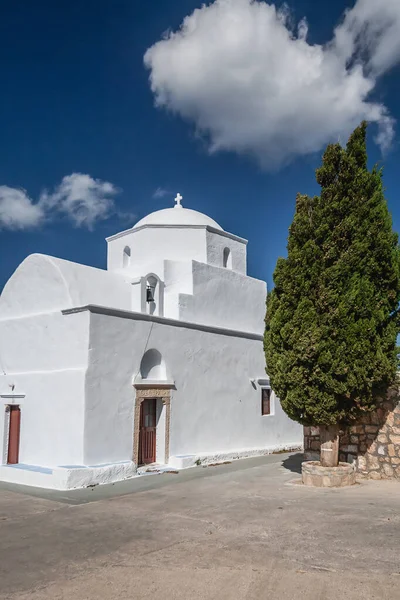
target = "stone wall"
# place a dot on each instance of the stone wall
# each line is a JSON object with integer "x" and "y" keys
{"x": 373, "y": 442}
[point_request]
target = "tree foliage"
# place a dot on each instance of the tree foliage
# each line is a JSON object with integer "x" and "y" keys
{"x": 331, "y": 322}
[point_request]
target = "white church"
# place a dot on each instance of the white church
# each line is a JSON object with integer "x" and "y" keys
{"x": 157, "y": 360}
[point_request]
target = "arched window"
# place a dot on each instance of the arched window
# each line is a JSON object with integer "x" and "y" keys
{"x": 227, "y": 259}
{"x": 152, "y": 365}
{"x": 126, "y": 259}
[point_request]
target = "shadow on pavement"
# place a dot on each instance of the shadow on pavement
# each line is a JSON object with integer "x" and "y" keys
{"x": 293, "y": 462}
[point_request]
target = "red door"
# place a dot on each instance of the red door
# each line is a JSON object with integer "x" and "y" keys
{"x": 147, "y": 431}
{"x": 13, "y": 436}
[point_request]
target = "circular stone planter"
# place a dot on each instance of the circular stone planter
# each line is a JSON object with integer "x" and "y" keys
{"x": 342, "y": 475}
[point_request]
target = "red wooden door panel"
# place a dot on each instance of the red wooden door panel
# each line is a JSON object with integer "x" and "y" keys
{"x": 13, "y": 436}
{"x": 147, "y": 431}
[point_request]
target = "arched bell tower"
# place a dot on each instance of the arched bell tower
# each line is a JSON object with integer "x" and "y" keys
{"x": 182, "y": 265}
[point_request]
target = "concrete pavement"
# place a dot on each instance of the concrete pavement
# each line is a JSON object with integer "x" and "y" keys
{"x": 238, "y": 531}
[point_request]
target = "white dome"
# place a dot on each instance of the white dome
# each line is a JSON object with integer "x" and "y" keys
{"x": 177, "y": 216}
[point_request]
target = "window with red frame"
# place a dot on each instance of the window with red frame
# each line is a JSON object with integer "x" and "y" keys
{"x": 265, "y": 401}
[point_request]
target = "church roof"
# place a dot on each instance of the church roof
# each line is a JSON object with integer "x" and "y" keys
{"x": 44, "y": 283}
{"x": 177, "y": 216}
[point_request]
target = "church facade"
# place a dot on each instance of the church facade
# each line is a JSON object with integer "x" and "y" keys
{"x": 156, "y": 360}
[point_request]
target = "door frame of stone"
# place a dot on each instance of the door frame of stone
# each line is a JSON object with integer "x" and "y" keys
{"x": 159, "y": 392}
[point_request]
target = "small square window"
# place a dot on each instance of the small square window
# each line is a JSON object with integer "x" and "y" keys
{"x": 265, "y": 401}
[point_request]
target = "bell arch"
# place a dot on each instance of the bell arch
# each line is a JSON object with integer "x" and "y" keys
{"x": 152, "y": 294}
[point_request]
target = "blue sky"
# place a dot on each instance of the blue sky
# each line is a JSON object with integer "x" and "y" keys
{"x": 76, "y": 99}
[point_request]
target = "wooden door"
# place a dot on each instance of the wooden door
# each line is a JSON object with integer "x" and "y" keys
{"x": 147, "y": 431}
{"x": 13, "y": 435}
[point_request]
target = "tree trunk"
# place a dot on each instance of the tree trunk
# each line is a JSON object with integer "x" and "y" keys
{"x": 329, "y": 445}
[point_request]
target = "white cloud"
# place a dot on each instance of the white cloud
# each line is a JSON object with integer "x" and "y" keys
{"x": 160, "y": 193}
{"x": 82, "y": 199}
{"x": 17, "y": 211}
{"x": 370, "y": 32}
{"x": 252, "y": 85}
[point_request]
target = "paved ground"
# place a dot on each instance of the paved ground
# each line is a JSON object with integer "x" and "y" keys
{"x": 239, "y": 531}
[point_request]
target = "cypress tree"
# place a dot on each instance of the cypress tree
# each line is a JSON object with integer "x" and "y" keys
{"x": 332, "y": 317}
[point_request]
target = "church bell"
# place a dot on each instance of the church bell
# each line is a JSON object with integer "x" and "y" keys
{"x": 149, "y": 294}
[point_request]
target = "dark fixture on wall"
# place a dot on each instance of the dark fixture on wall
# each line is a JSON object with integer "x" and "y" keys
{"x": 149, "y": 294}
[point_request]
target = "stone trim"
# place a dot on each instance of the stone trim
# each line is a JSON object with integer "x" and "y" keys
{"x": 141, "y": 395}
{"x": 156, "y": 392}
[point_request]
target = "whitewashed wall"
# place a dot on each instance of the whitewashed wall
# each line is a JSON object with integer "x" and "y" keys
{"x": 224, "y": 298}
{"x": 45, "y": 358}
{"x": 216, "y": 244}
{"x": 214, "y": 407}
{"x": 150, "y": 245}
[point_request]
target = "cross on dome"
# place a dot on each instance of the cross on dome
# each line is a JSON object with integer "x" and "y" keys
{"x": 178, "y": 201}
